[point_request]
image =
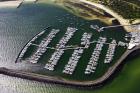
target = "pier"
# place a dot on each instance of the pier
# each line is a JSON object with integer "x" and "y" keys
{"x": 93, "y": 62}
{"x": 73, "y": 61}
{"x": 59, "y": 52}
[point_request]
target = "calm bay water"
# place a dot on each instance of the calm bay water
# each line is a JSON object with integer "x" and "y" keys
{"x": 17, "y": 26}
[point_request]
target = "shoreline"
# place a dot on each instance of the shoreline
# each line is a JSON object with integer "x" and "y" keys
{"x": 62, "y": 81}
{"x": 121, "y": 20}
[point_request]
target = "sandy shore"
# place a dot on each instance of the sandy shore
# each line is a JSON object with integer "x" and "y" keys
{"x": 10, "y": 4}
{"x": 111, "y": 12}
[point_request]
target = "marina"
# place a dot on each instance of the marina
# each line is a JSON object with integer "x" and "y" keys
{"x": 19, "y": 28}
{"x": 65, "y": 54}
{"x": 76, "y": 52}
